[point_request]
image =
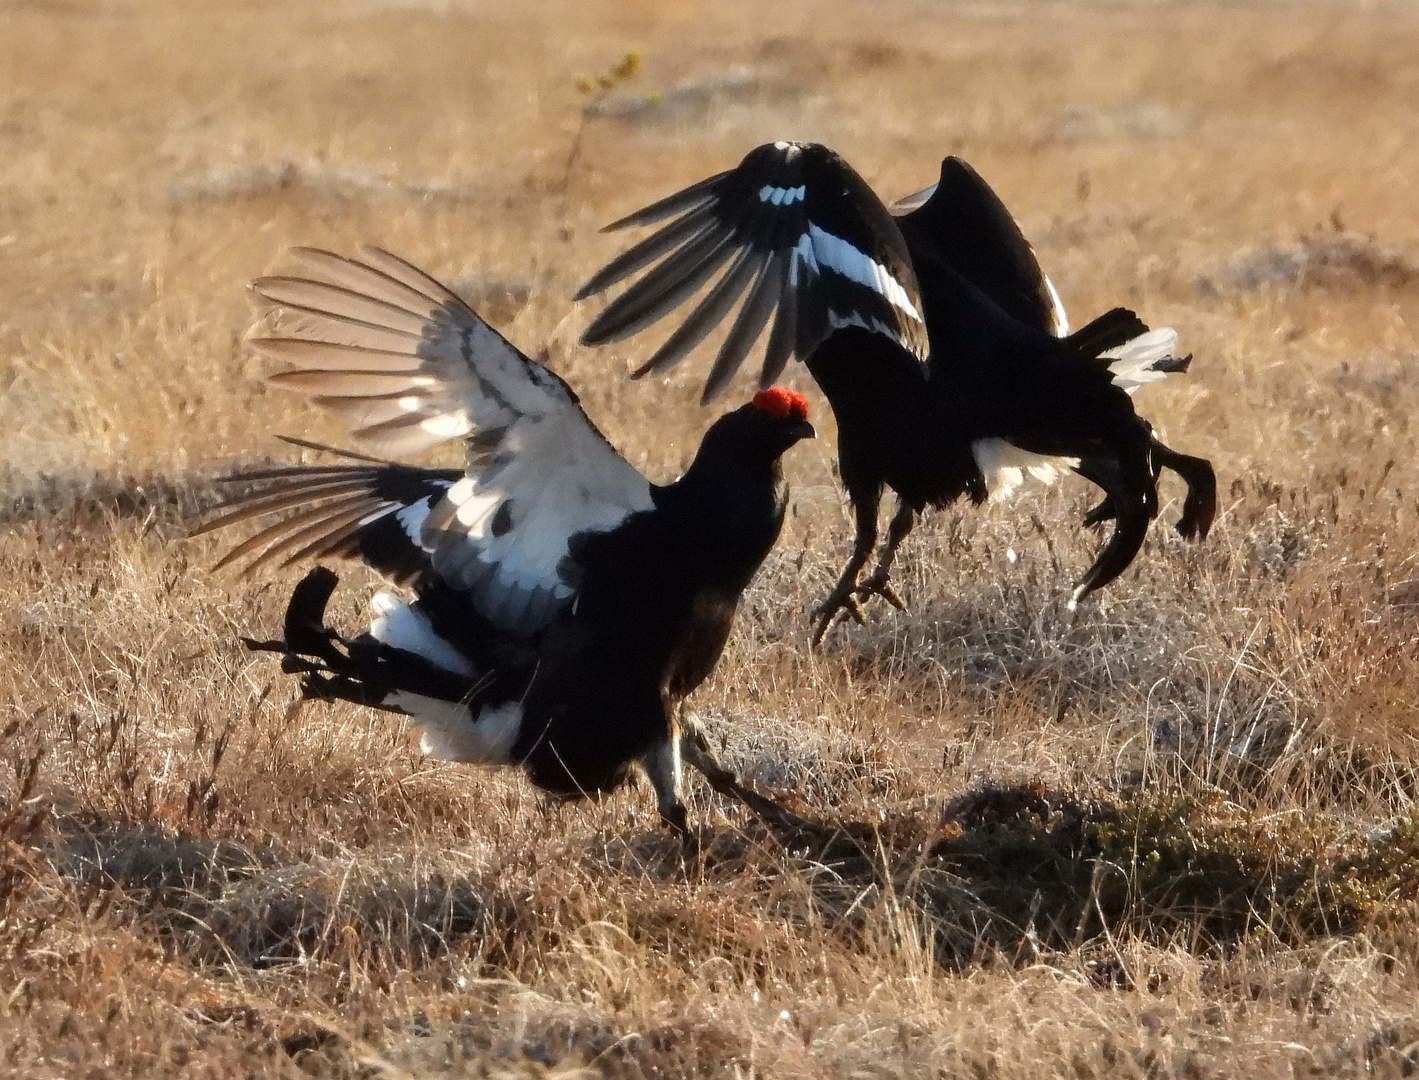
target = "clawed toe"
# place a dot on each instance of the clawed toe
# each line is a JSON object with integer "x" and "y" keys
{"x": 847, "y": 602}
{"x": 694, "y": 747}
{"x": 1100, "y": 514}
{"x": 770, "y": 812}
{"x": 880, "y": 584}
{"x": 840, "y": 603}
{"x": 849, "y": 593}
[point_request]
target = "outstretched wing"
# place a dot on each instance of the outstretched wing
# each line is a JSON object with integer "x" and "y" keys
{"x": 372, "y": 511}
{"x": 408, "y": 364}
{"x": 802, "y": 234}
{"x": 962, "y": 222}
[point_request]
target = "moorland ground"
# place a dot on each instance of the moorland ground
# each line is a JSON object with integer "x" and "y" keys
{"x": 1172, "y": 834}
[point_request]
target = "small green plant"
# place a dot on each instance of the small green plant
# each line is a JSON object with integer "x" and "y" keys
{"x": 594, "y": 90}
{"x": 598, "y": 86}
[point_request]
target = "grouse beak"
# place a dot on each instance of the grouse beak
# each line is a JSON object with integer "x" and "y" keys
{"x": 803, "y": 430}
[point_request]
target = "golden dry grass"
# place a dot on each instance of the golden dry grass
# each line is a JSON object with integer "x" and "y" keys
{"x": 1173, "y": 835}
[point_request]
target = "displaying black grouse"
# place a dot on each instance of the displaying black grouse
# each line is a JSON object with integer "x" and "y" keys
{"x": 941, "y": 346}
{"x": 562, "y": 604}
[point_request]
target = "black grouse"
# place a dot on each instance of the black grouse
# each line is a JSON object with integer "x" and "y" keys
{"x": 942, "y": 348}
{"x": 562, "y": 604}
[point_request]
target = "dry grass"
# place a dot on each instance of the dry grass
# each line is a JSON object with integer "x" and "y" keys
{"x": 1172, "y": 835}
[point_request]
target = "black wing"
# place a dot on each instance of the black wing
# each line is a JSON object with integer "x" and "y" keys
{"x": 372, "y": 511}
{"x": 962, "y": 222}
{"x": 409, "y": 365}
{"x": 801, "y": 233}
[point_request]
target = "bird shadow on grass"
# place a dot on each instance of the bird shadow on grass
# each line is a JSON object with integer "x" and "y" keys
{"x": 998, "y": 873}
{"x": 1011, "y": 872}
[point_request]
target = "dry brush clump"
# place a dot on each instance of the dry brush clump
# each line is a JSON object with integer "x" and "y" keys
{"x": 295, "y": 863}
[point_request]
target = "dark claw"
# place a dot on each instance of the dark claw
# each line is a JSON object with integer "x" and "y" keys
{"x": 677, "y": 818}
{"x": 841, "y": 602}
{"x": 265, "y": 646}
{"x": 1101, "y": 513}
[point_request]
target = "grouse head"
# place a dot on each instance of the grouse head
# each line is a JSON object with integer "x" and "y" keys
{"x": 776, "y": 418}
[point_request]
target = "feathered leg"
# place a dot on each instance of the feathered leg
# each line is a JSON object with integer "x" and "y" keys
{"x": 1128, "y": 481}
{"x": 690, "y": 746}
{"x": 304, "y": 624}
{"x": 880, "y": 583}
{"x": 1200, "y": 504}
{"x": 842, "y": 597}
{"x": 694, "y": 748}
{"x": 662, "y": 767}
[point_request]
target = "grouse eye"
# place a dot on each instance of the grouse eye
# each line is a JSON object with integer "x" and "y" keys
{"x": 781, "y": 403}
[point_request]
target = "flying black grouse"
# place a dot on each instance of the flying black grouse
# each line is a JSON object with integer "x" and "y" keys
{"x": 562, "y": 604}
{"x": 941, "y": 346}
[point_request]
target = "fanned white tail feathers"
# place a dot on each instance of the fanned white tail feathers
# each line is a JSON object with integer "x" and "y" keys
{"x": 1005, "y": 465}
{"x": 1138, "y": 362}
{"x": 399, "y": 626}
{"x": 448, "y": 730}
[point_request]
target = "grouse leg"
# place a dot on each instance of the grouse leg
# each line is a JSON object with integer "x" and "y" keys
{"x": 842, "y": 597}
{"x": 306, "y": 634}
{"x": 694, "y": 747}
{"x": 1134, "y": 502}
{"x": 880, "y": 583}
{"x": 662, "y": 766}
{"x": 1200, "y": 506}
